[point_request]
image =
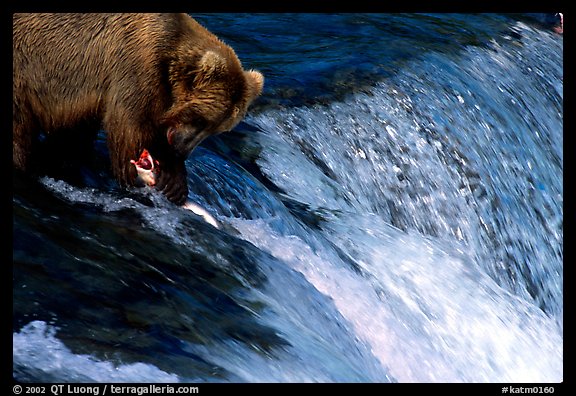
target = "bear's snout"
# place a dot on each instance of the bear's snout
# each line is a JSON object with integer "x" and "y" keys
{"x": 185, "y": 139}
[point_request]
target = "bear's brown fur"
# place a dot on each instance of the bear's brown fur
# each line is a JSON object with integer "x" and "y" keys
{"x": 160, "y": 82}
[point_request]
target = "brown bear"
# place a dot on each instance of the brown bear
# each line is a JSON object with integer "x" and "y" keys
{"x": 160, "y": 82}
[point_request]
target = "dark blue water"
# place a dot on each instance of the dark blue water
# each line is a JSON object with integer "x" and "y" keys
{"x": 390, "y": 210}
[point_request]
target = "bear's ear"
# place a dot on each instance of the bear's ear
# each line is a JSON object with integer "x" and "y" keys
{"x": 255, "y": 83}
{"x": 211, "y": 65}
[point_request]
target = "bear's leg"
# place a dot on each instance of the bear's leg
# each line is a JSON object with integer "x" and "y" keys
{"x": 124, "y": 144}
{"x": 173, "y": 179}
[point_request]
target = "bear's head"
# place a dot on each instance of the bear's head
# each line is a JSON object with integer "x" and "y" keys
{"x": 210, "y": 95}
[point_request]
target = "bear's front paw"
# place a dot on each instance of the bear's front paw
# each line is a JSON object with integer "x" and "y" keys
{"x": 173, "y": 185}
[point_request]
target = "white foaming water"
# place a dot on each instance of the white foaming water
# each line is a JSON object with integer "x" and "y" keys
{"x": 36, "y": 350}
{"x": 474, "y": 158}
{"x": 424, "y": 312}
{"x": 457, "y": 295}
{"x": 163, "y": 216}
